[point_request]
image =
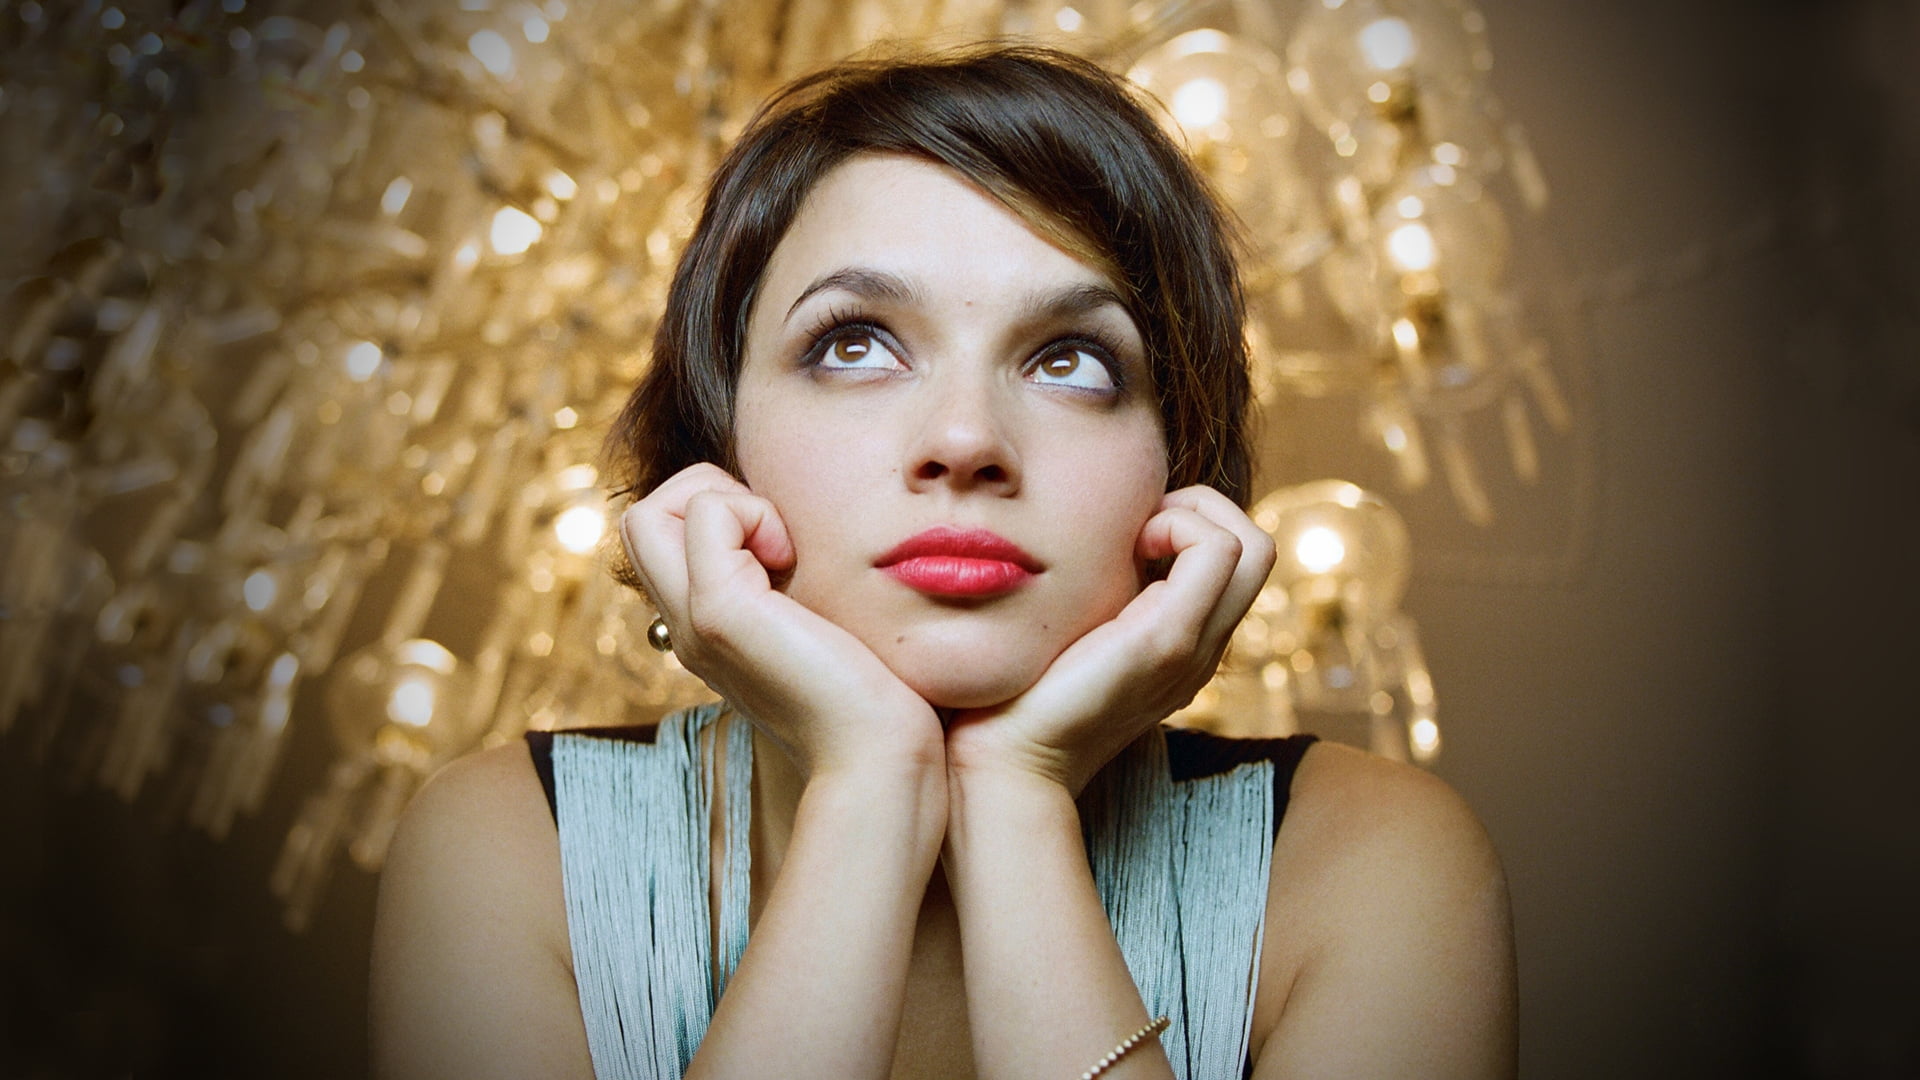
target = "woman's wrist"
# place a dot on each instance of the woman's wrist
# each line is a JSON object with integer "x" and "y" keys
{"x": 1000, "y": 803}
{"x": 983, "y": 758}
{"x": 881, "y": 796}
{"x": 984, "y": 748}
{"x": 899, "y": 745}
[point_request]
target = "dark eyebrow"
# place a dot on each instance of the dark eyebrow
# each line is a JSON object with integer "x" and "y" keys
{"x": 881, "y": 285}
{"x": 860, "y": 281}
{"x": 1075, "y": 300}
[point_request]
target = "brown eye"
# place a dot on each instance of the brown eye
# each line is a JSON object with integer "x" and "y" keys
{"x": 857, "y": 349}
{"x": 1079, "y": 368}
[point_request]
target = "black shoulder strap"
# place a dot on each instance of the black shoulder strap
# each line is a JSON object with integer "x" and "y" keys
{"x": 1192, "y": 754}
{"x": 540, "y": 747}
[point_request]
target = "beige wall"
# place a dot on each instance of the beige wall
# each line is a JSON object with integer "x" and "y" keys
{"x": 1695, "y": 750}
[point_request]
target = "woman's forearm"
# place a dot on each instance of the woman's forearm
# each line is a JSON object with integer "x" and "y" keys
{"x": 1048, "y": 992}
{"x": 820, "y": 987}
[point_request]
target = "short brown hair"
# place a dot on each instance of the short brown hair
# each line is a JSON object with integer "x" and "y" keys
{"x": 1061, "y": 141}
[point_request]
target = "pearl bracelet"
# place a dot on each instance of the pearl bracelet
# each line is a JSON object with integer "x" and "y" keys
{"x": 1126, "y": 1045}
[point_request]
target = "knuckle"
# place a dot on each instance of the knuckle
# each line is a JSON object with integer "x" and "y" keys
{"x": 1264, "y": 552}
{"x": 641, "y": 515}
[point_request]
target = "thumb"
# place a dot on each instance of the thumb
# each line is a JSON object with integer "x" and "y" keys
{"x": 766, "y": 536}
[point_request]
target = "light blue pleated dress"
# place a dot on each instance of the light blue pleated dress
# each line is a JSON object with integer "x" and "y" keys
{"x": 1181, "y": 867}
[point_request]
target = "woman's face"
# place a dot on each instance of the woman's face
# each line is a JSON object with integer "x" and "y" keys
{"x": 954, "y": 419}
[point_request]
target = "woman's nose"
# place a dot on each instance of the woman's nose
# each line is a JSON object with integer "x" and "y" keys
{"x": 963, "y": 442}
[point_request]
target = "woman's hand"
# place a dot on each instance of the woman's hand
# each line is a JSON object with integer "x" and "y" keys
{"x": 1126, "y": 675}
{"x": 705, "y": 547}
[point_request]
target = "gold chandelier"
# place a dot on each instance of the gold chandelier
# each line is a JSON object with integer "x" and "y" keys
{"x": 318, "y": 309}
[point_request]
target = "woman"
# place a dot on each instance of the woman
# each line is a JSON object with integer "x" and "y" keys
{"x": 942, "y": 454}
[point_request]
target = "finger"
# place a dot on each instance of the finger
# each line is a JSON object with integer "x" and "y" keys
{"x": 766, "y": 533}
{"x": 656, "y": 546}
{"x": 672, "y": 495}
{"x": 768, "y": 541}
{"x": 1256, "y": 547}
{"x": 1205, "y": 557}
{"x": 723, "y": 569}
{"x": 654, "y": 533}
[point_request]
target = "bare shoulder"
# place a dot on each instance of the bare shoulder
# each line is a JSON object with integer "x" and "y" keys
{"x": 1362, "y": 818}
{"x": 1387, "y": 914}
{"x": 489, "y": 805}
{"x": 471, "y": 969}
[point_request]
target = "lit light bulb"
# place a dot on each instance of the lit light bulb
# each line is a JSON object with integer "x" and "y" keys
{"x": 259, "y": 590}
{"x": 579, "y": 528}
{"x": 1406, "y": 335}
{"x": 1401, "y": 76}
{"x": 411, "y": 702}
{"x": 1449, "y": 240}
{"x": 576, "y": 477}
{"x": 1420, "y": 688}
{"x": 1319, "y": 549}
{"x": 394, "y": 199}
{"x": 1411, "y": 247}
{"x": 1200, "y": 103}
{"x": 411, "y": 691}
{"x": 493, "y": 52}
{"x": 1387, "y": 44}
{"x": 1337, "y": 540}
{"x": 276, "y": 706}
{"x": 363, "y": 361}
{"x": 514, "y": 231}
{"x": 1424, "y": 735}
{"x": 1226, "y": 99}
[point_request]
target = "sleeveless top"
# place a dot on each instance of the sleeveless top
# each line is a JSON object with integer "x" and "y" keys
{"x": 1179, "y": 831}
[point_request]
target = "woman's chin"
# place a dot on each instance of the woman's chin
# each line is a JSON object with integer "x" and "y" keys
{"x": 957, "y": 660}
{"x": 947, "y": 696}
{"x": 963, "y": 697}
{"x": 948, "y": 686}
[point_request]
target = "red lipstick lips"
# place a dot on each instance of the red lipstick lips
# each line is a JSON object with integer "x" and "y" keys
{"x": 945, "y": 561}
